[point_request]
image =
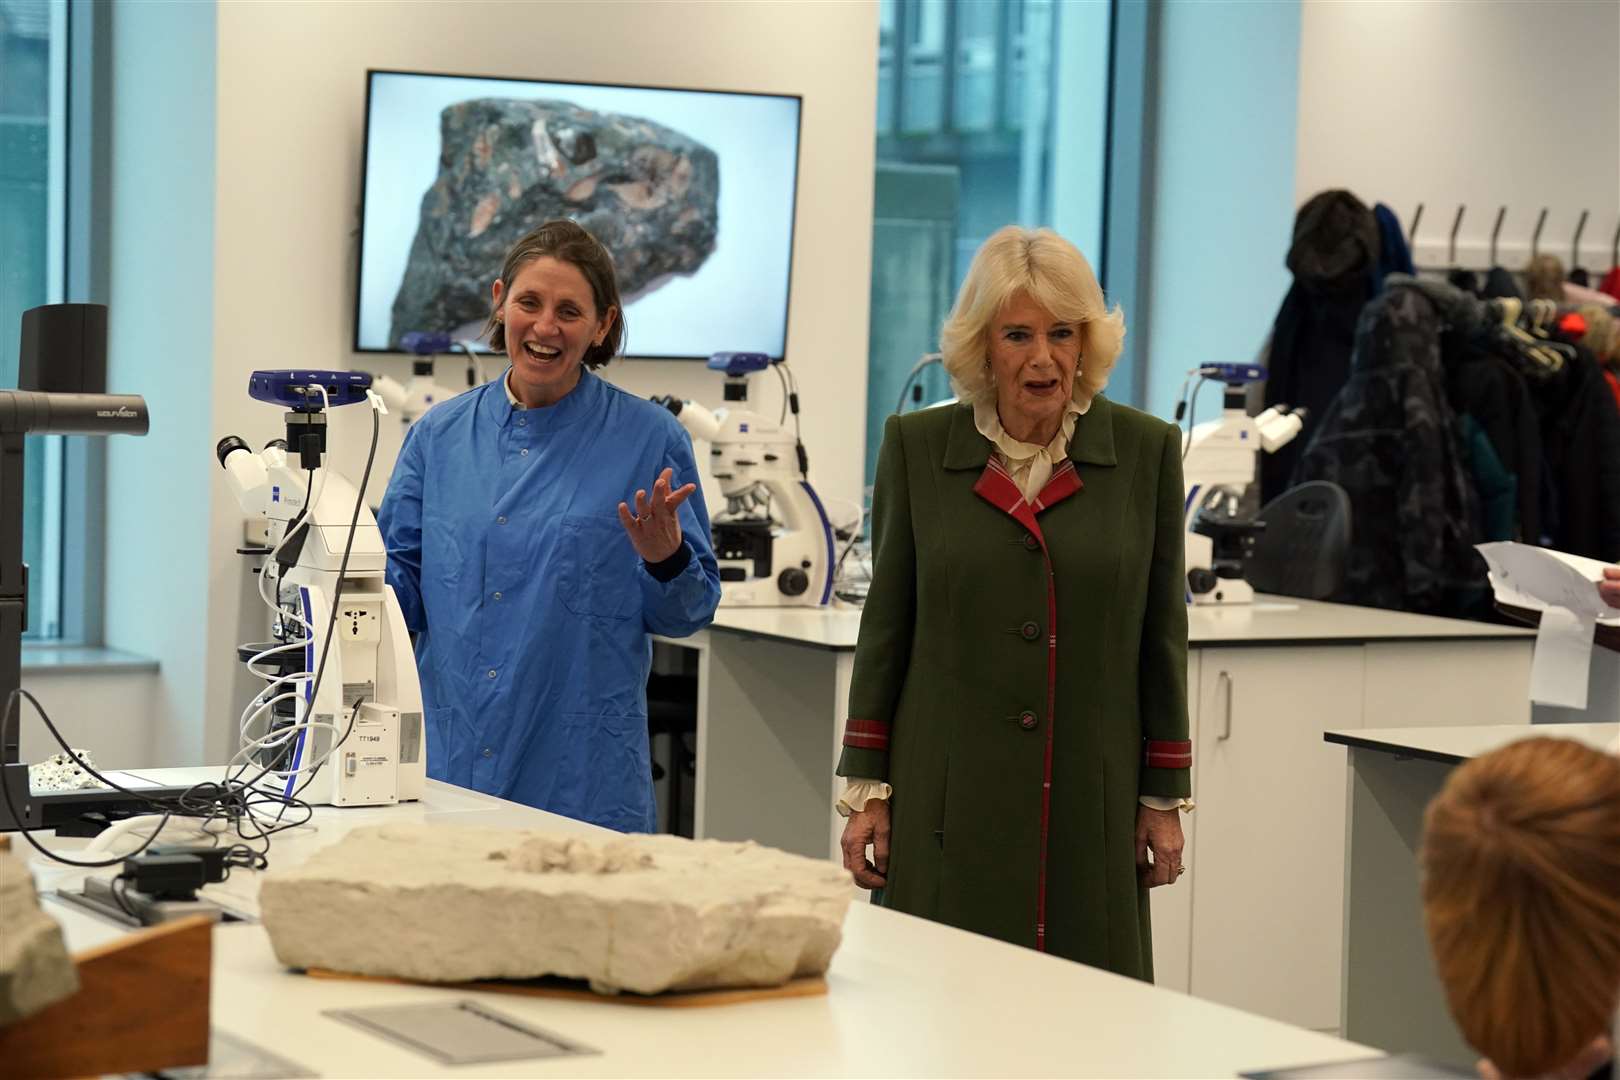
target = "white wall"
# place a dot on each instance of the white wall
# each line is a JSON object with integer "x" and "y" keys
{"x": 1510, "y": 102}
{"x": 263, "y": 160}
{"x": 109, "y": 712}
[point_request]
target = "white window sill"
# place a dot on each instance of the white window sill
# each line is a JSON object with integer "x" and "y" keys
{"x": 54, "y": 658}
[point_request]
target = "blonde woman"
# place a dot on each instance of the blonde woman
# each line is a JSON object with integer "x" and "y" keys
{"x": 1521, "y": 893}
{"x": 1017, "y": 734}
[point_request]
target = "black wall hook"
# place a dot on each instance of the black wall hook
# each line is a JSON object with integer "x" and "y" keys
{"x": 1535, "y": 237}
{"x": 1575, "y": 245}
{"x": 1497, "y": 231}
{"x": 1451, "y": 246}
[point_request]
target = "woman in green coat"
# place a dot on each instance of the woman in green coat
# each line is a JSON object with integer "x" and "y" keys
{"x": 1016, "y": 749}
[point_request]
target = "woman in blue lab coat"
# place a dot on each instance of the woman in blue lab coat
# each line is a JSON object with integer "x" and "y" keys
{"x": 528, "y": 562}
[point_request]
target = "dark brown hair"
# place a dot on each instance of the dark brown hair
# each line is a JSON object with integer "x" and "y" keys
{"x": 566, "y": 241}
{"x": 1521, "y": 893}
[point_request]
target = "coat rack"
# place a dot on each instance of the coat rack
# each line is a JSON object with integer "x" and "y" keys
{"x": 1496, "y": 235}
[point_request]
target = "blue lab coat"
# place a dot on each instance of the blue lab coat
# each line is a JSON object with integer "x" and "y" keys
{"x": 531, "y": 608}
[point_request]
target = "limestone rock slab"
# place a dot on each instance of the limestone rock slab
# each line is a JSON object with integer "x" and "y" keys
{"x": 640, "y": 913}
{"x": 35, "y": 968}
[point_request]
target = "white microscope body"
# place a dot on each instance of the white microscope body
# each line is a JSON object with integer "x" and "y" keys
{"x": 410, "y": 400}
{"x": 773, "y": 540}
{"x": 1218, "y": 465}
{"x": 368, "y": 687}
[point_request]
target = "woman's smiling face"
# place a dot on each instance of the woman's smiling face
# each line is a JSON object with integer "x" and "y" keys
{"x": 550, "y": 321}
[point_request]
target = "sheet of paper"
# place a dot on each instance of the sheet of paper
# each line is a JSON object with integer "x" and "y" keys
{"x": 1562, "y": 665}
{"x": 1539, "y": 578}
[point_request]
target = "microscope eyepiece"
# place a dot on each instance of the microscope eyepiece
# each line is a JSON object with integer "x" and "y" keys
{"x": 227, "y": 446}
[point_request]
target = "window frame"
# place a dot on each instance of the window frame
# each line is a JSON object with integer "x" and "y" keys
{"x": 88, "y": 188}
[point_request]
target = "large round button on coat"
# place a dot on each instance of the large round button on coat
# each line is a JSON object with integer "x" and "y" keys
{"x": 1027, "y": 720}
{"x": 1029, "y": 631}
{"x": 1031, "y": 543}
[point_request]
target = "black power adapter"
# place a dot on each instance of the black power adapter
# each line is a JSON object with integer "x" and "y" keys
{"x": 166, "y": 877}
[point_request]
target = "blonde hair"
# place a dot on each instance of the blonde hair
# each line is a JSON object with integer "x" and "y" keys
{"x": 1544, "y": 278}
{"x": 1602, "y": 332}
{"x": 1521, "y": 894}
{"x": 1053, "y": 273}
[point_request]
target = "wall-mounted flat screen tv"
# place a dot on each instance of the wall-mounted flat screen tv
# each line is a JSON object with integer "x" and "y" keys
{"x": 693, "y": 192}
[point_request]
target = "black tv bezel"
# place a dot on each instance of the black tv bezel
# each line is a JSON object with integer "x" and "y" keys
{"x": 365, "y": 155}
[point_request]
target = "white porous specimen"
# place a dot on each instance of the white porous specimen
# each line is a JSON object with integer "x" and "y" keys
{"x": 640, "y": 913}
{"x": 35, "y": 968}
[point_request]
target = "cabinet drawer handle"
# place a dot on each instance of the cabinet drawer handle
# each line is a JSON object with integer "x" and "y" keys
{"x": 1225, "y": 679}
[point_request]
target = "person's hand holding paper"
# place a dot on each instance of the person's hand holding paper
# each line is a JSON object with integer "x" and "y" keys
{"x": 1609, "y": 587}
{"x": 1572, "y": 593}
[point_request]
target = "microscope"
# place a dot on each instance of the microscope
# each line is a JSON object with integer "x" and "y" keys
{"x": 411, "y": 399}
{"x": 1218, "y": 464}
{"x": 342, "y": 714}
{"x": 773, "y": 540}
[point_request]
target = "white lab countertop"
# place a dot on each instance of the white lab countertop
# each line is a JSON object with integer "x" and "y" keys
{"x": 906, "y": 998}
{"x": 1452, "y": 745}
{"x": 1269, "y": 620}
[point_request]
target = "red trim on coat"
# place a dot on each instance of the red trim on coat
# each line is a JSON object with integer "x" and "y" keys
{"x": 867, "y": 734}
{"x": 1167, "y": 753}
{"x": 995, "y": 485}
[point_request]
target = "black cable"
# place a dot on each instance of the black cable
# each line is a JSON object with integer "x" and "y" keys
{"x": 798, "y": 435}
{"x": 13, "y": 705}
{"x": 208, "y": 801}
{"x": 1192, "y": 414}
{"x": 781, "y": 378}
{"x": 915, "y": 376}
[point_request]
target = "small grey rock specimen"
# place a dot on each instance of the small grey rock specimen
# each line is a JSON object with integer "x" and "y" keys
{"x": 641, "y": 913}
{"x": 650, "y": 194}
{"x": 35, "y": 968}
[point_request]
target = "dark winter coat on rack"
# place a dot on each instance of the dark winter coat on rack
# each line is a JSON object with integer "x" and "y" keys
{"x": 1581, "y": 438}
{"x": 1391, "y": 440}
{"x": 1482, "y": 384}
{"x": 1334, "y": 258}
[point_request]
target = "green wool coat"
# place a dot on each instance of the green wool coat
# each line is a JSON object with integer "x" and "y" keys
{"x": 1003, "y": 645}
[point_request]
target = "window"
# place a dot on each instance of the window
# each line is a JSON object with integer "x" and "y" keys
{"x": 977, "y": 128}
{"x": 33, "y": 97}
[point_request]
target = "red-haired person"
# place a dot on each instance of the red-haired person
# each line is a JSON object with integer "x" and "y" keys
{"x": 1521, "y": 894}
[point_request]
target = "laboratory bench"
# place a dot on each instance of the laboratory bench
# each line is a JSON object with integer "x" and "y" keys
{"x": 905, "y": 997}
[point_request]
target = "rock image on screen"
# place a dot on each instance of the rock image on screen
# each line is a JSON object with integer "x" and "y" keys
{"x": 647, "y": 192}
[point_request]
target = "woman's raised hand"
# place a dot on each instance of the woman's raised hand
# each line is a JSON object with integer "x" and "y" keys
{"x": 655, "y": 527}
